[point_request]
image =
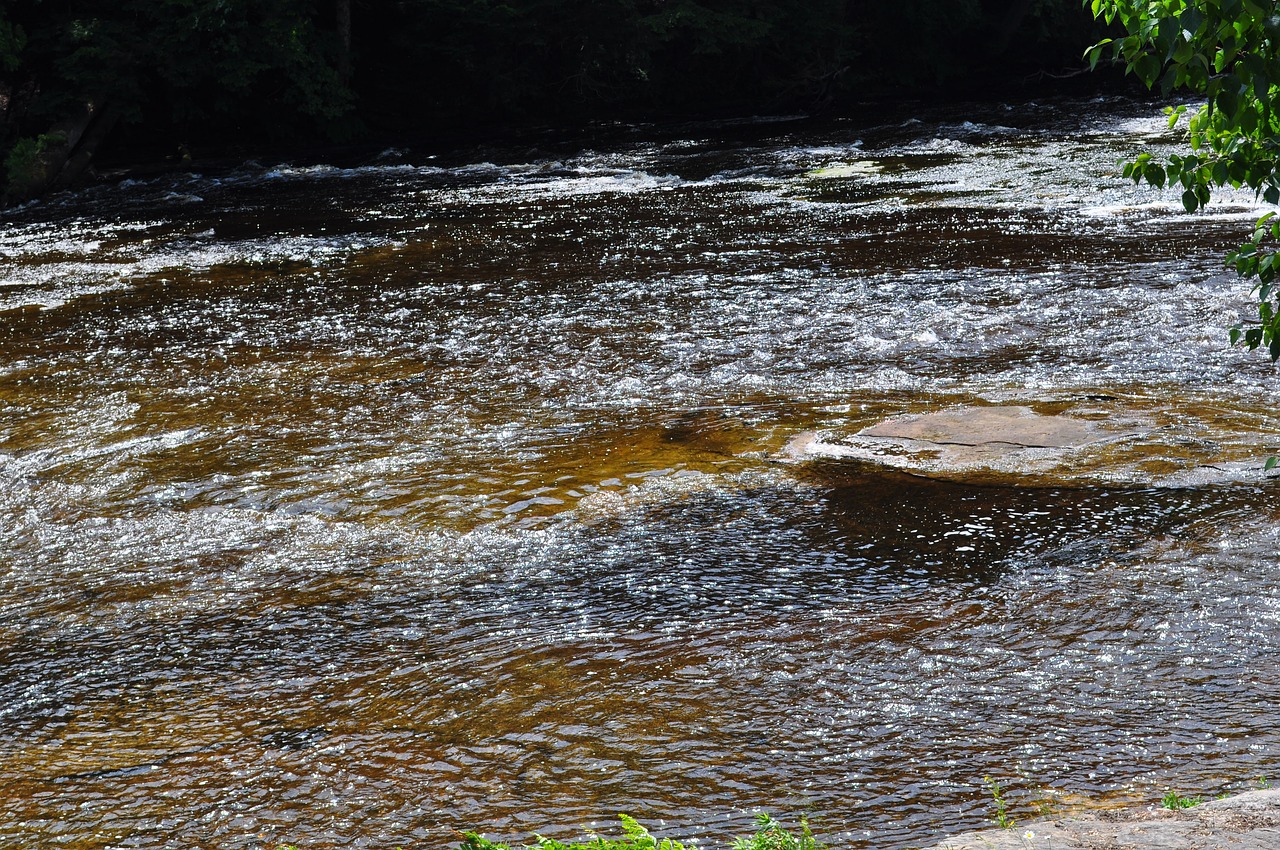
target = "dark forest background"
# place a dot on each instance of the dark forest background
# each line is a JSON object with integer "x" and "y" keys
{"x": 136, "y": 80}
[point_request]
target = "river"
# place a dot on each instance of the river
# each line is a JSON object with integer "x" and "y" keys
{"x": 345, "y": 506}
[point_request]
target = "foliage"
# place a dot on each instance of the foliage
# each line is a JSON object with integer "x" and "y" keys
{"x": 1176, "y": 802}
{"x": 197, "y": 72}
{"x": 634, "y": 837}
{"x": 27, "y": 164}
{"x": 1229, "y": 52}
{"x": 560, "y": 59}
{"x": 185, "y": 63}
{"x": 13, "y": 40}
{"x": 1002, "y": 806}
{"x": 770, "y": 835}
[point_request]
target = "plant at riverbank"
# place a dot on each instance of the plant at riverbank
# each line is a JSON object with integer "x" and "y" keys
{"x": 769, "y": 835}
{"x": 1174, "y": 802}
{"x": 1229, "y": 52}
{"x": 26, "y": 166}
{"x": 1002, "y": 818}
{"x": 634, "y": 837}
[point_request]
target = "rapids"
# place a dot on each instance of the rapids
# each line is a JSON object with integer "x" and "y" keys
{"x": 346, "y": 506}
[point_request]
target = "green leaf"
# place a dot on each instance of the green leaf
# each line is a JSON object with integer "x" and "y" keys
{"x": 1228, "y": 101}
{"x": 1228, "y": 53}
{"x": 1272, "y": 463}
{"x": 1249, "y": 121}
{"x": 1094, "y": 53}
{"x": 1147, "y": 67}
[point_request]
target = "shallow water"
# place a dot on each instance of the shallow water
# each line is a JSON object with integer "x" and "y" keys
{"x": 343, "y": 507}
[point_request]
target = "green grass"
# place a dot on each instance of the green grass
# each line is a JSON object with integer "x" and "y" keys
{"x": 1173, "y": 801}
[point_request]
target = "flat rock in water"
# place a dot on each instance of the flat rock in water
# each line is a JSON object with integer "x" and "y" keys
{"x": 1015, "y": 427}
{"x": 968, "y": 442}
{"x": 1013, "y": 443}
{"x": 1249, "y": 821}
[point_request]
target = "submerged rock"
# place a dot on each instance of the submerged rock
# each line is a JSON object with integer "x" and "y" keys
{"x": 1248, "y": 821}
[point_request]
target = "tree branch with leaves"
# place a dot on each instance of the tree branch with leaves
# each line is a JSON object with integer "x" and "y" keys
{"x": 1229, "y": 52}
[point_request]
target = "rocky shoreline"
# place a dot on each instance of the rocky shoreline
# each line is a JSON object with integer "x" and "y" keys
{"x": 1248, "y": 821}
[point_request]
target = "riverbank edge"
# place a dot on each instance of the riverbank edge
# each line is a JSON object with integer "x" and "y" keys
{"x": 1245, "y": 821}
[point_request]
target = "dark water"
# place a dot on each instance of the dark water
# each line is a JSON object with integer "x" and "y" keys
{"x": 343, "y": 507}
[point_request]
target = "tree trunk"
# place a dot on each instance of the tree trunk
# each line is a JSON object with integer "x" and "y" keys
{"x": 83, "y": 144}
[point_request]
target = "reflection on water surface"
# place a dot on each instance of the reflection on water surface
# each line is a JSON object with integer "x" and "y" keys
{"x": 344, "y": 507}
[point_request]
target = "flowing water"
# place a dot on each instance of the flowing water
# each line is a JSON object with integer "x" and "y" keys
{"x": 347, "y": 506}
